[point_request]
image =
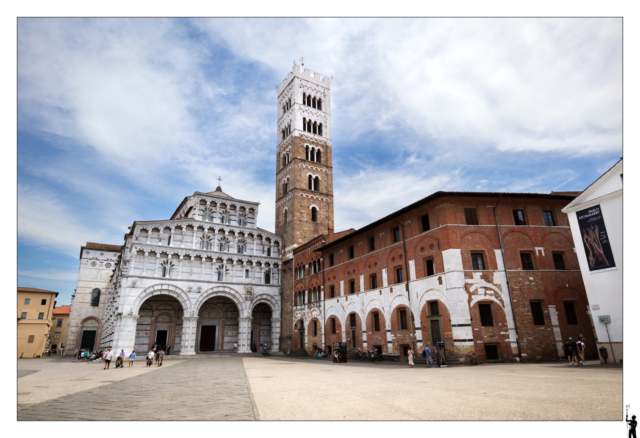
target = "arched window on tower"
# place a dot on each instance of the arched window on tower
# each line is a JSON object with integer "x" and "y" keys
{"x": 308, "y": 100}
{"x": 316, "y": 184}
{"x": 318, "y": 156}
{"x": 284, "y": 160}
{"x": 286, "y": 212}
{"x": 320, "y": 129}
{"x": 307, "y": 148}
{"x": 314, "y": 214}
{"x": 95, "y": 298}
{"x": 319, "y": 104}
{"x": 313, "y": 102}
{"x": 289, "y": 103}
{"x": 310, "y": 182}
{"x": 285, "y": 187}
{"x": 283, "y": 135}
{"x": 304, "y": 98}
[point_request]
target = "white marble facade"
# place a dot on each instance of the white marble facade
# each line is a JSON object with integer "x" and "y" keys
{"x": 199, "y": 282}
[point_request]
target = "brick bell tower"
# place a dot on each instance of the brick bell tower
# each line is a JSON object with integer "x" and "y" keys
{"x": 304, "y": 173}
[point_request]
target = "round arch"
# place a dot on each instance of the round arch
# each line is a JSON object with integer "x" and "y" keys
{"x": 163, "y": 289}
{"x": 268, "y": 300}
{"x": 221, "y": 291}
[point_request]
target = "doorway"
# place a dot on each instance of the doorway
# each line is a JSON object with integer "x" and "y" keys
{"x": 208, "y": 338}
{"x": 88, "y": 340}
{"x": 161, "y": 338}
{"x": 435, "y": 331}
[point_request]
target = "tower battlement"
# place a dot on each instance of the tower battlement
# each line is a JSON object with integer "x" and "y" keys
{"x": 306, "y": 74}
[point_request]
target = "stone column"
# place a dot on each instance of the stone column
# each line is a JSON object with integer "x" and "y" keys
{"x": 275, "y": 335}
{"x": 157, "y": 265}
{"x": 148, "y": 235}
{"x": 255, "y": 239}
{"x": 189, "y": 327}
{"x": 180, "y": 267}
{"x": 195, "y": 232}
{"x": 244, "y": 335}
{"x": 124, "y": 336}
{"x": 171, "y": 236}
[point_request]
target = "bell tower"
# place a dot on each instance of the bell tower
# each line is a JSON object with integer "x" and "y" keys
{"x": 304, "y": 172}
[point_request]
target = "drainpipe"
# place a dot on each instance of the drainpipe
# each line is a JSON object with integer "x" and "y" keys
{"x": 406, "y": 267}
{"x": 504, "y": 264}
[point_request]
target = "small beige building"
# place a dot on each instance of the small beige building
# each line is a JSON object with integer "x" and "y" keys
{"x": 35, "y": 313}
{"x": 58, "y": 333}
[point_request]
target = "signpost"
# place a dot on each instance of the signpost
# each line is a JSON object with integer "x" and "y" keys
{"x": 606, "y": 319}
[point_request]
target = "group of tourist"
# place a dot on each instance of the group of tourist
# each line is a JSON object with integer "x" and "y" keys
{"x": 156, "y": 354}
{"x": 426, "y": 353}
{"x": 574, "y": 351}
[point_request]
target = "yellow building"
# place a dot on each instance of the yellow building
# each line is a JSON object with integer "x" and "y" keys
{"x": 58, "y": 333}
{"x": 35, "y": 310}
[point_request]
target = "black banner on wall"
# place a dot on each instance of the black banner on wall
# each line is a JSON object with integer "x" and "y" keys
{"x": 595, "y": 240}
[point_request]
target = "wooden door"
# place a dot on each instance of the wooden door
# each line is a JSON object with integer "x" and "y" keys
{"x": 208, "y": 338}
{"x": 436, "y": 333}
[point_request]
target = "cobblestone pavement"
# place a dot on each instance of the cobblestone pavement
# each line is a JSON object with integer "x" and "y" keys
{"x": 215, "y": 389}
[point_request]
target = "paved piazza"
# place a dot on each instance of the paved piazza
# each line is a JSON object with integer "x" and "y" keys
{"x": 252, "y": 388}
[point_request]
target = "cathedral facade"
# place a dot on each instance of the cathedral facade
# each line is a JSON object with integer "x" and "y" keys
{"x": 204, "y": 280}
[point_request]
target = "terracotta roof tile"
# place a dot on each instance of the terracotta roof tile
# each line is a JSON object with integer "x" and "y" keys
{"x": 33, "y": 289}
{"x": 62, "y": 310}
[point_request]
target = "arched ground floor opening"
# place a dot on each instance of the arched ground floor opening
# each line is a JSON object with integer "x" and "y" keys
{"x": 159, "y": 322}
{"x": 218, "y": 325}
{"x": 260, "y": 326}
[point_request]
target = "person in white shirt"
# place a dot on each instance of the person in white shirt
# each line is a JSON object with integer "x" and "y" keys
{"x": 235, "y": 347}
{"x": 107, "y": 359}
{"x": 150, "y": 358}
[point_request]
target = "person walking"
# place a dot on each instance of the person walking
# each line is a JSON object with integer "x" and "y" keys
{"x": 107, "y": 359}
{"x": 567, "y": 351}
{"x": 573, "y": 346}
{"x": 132, "y": 358}
{"x": 581, "y": 350}
{"x": 235, "y": 347}
{"x": 427, "y": 355}
{"x": 410, "y": 355}
{"x": 160, "y": 357}
{"x": 150, "y": 358}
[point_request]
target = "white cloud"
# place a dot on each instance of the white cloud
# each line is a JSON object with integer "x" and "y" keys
{"x": 515, "y": 84}
{"x": 51, "y": 275}
{"x": 46, "y": 222}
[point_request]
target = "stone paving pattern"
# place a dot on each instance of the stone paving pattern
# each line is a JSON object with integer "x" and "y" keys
{"x": 192, "y": 390}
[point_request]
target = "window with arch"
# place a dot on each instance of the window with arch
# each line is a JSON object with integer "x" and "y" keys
{"x": 95, "y": 298}
{"x": 314, "y": 214}
{"x": 286, "y": 212}
{"x": 164, "y": 271}
{"x": 242, "y": 220}
{"x": 316, "y": 184}
{"x": 240, "y": 248}
{"x": 319, "y": 104}
{"x": 308, "y": 156}
{"x": 267, "y": 277}
{"x": 310, "y": 179}
{"x": 220, "y": 274}
{"x": 284, "y": 161}
{"x": 285, "y": 187}
{"x": 320, "y": 129}
{"x": 221, "y": 246}
{"x": 318, "y": 156}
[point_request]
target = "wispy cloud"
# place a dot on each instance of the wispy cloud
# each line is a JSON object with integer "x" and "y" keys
{"x": 51, "y": 275}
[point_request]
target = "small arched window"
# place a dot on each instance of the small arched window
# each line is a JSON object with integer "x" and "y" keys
{"x": 314, "y": 214}
{"x": 320, "y": 129}
{"x": 95, "y": 298}
{"x": 313, "y": 102}
{"x": 164, "y": 271}
{"x": 286, "y": 212}
{"x": 240, "y": 249}
{"x": 220, "y": 275}
{"x": 307, "y": 149}
{"x": 319, "y": 104}
{"x": 310, "y": 182}
{"x": 267, "y": 277}
{"x": 308, "y": 100}
{"x": 316, "y": 184}
{"x": 284, "y": 161}
{"x": 285, "y": 187}
{"x": 318, "y": 156}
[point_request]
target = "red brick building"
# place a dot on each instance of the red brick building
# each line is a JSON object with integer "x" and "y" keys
{"x": 434, "y": 270}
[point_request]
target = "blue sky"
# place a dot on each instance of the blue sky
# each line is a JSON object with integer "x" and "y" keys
{"x": 119, "y": 119}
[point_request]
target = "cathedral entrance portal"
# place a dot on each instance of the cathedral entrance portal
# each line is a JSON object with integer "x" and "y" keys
{"x": 261, "y": 325}
{"x": 208, "y": 338}
{"x": 217, "y": 325}
{"x": 159, "y": 322}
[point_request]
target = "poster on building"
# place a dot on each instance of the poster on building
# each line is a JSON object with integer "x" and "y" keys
{"x": 595, "y": 240}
